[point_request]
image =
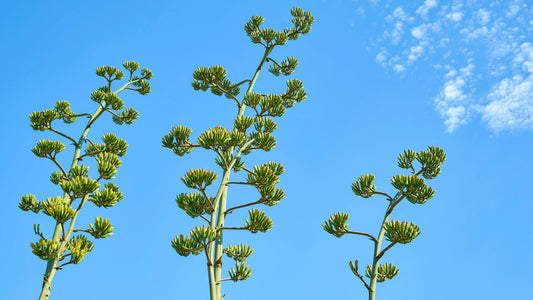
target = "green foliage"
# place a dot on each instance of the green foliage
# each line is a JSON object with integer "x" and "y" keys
{"x": 57, "y": 177}
{"x": 295, "y": 93}
{"x": 109, "y": 73}
{"x": 405, "y": 159}
{"x": 199, "y": 178}
{"x": 65, "y": 112}
{"x": 414, "y": 188}
{"x": 128, "y": 116}
{"x": 265, "y": 125}
{"x": 78, "y": 171}
{"x": 270, "y": 195}
{"x": 364, "y": 186}
{"x": 48, "y": 149}
{"x": 354, "y": 266}
{"x": 286, "y": 67}
{"x": 431, "y": 161}
{"x": 239, "y": 253}
{"x": 250, "y": 133}
{"x": 45, "y": 249}
{"x": 203, "y": 235}
{"x": 220, "y": 139}
{"x": 214, "y": 78}
{"x": 75, "y": 182}
{"x": 107, "y": 197}
{"x": 107, "y": 165}
{"x": 265, "y": 175}
{"x": 410, "y": 187}
{"x": 242, "y": 123}
{"x": 42, "y": 120}
{"x": 112, "y": 144}
{"x": 178, "y": 140}
{"x": 268, "y": 37}
{"x": 29, "y": 202}
{"x": 57, "y": 209}
{"x": 79, "y": 246}
{"x": 402, "y": 233}
{"x": 102, "y": 228}
{"x": 337, "y": 224}
{"x": 185, "y": 246}
{"x": 258, "y": 221}
{"x": 385, "y": 271}
{"x": 194, "y": 204}
{"x": 263, "y": 141}
{"x": 79, "y": 186}
{"x": 240, "y": 272}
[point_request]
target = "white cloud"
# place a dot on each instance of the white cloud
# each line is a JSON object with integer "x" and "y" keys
{"x": 398, "y": 68}
{"x": 513, "y": 9}
{"x": 419, "y": 31}
{"x": 381, "y": 58}
{"x": 399, "y": 14}
{"x": 524, "y": 57}
{"x": 397, "y": 33}
{"x": 510, "y": 104}
{"x": 446, "y": 36}
{"x": 424, "y": 9}
{"x": 483, "y": 16}
{"x": 452, "y": 101}
{"x": 414, "y": 53}
{"x": 455, "y": 16}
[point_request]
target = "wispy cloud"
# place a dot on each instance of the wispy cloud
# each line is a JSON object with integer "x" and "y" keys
{"x": 424, "y": 9}
{"x": 484, "y": 51}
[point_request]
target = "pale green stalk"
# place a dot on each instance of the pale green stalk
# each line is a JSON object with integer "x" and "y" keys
{"x": 220, "y": 200}
{"x": 377, "y": 245}
{"x": 51, "y": 266}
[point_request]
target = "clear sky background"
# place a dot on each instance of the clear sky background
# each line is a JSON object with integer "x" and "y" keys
{"x": 381, "y": 77}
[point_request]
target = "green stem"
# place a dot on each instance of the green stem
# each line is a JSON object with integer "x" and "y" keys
{"x": 218, "y": 216}
{"x": 219, "y": 241}
{"x": 214, "y": 290}
{"x": 377, "y": 245}
{"x": 49, "y": 276}
{"x": 52, "y": 264}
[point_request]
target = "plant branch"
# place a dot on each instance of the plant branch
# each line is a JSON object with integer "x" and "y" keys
{"x": 385, "y": 250}
{"x": 63, "y": 231}
{"x": 230, "y": 210}
{"x": 251, "y": 172}
{"x": 240, "y": 83}
{"x": 61, "y": 266}
{"x": 227, "y": 93}
{"x": 238, "y": 182}
{"x": 59, "y": 166}
{"x": 275, "y": 62}
{"x": 208, "y": 200}
{"x": 81, "y": 115}
{"x": 389, "y": 198}
{"x": 235, "y": 228}
{"x": 370, "y": 237}
{"x": 225, "y": 279}
{"x": 363, "y": 281}
{"x": 114, "y": 114}
{"x": 63, "y": 135}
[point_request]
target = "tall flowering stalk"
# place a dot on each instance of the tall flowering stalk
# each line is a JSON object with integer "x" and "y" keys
{"x": 230, "y": 146}
{"x": 411, "y": 187}
{"x": 64, "y": 248}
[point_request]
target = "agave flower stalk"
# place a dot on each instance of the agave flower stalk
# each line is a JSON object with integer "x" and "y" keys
{"x": 411, "y": 187}
{"x": 75, "y": 181}
{"x": 249, "y": 133}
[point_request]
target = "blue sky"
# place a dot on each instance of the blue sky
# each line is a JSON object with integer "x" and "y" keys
{"x": 381, "y": 77}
